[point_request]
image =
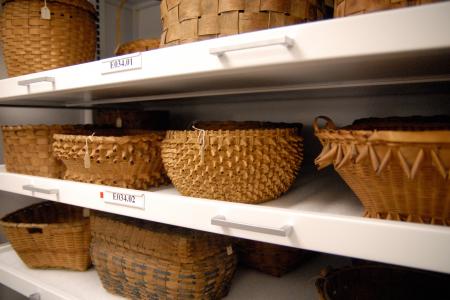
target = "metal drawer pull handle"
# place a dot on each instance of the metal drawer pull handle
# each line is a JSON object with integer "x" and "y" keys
{"x": 35, "y": 296}
{"x": 29, "y": 82}
{"x": 221, "y": 221}
{"x": 283, "y": 41}
{"x": 34, "y": 189}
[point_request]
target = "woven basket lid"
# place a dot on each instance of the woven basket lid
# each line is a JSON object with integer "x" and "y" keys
{"x": 83, "y": 4}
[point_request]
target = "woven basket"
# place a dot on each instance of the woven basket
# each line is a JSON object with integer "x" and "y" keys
{"x": 50, "y": 235}
{"x": 248, "y": 162}
{"x": 354, "y": 7}
{"x": 398, "y": 167}
{"x": 140, "y": 45}
{"x": 187, "y": 21}
{"x": 132, "y": 119}
{"x": 268, "y": 258}
{"x": 375, "y": 282}
{"x": 145, "y": 260}
{"x": 28, "y": 149}
{"x": 132, "y": 160}
{"x": 31, "y": 44}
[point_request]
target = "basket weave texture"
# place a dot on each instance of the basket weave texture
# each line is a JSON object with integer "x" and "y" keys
{"x": 398, "y": 167}
{"x": 50, "y": 235}
{"x": 130, "y": 161}
{"x": 132, "y": 119}
{"x": 145, "y": 260}
{"x": 374, "y": 282}
{"x": 268, "y": 258}
{"x": 187, "y": 21}
{"x": 138, "y": 46}
{"x": 249, "y": 162}
{"x": 354, "y": 7}
{"x": 31, "y": 44}
{"x": 28, "y": 149}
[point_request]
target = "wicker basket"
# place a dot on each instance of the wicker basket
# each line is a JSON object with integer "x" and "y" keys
{"x": 50, "y": 235}
{"x": 132, "y": 119}
{"x": 248, "y": 162}
{"x": 31, "y": 44}
{"x": 129, "y": 159}
{"x": 133, "y": 46}
{"x": 28, "y": 149}
{"x": 187, "y": 21}
{"x": 268, "y": 258}
{"x": 353, "y": 7}
{"x": 375, "y": 282}
{"x": 398, "y": 167}
{"x": 146, "y": 260}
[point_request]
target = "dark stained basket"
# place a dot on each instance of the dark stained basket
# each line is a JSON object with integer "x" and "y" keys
{"x": 146, "y": 260}
{"x": 376, "y": 282}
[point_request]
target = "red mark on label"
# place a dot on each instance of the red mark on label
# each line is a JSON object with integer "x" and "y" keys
{"x": 101, "y": 195}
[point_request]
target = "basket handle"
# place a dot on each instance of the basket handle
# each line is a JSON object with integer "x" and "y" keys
{"x": 329, "y": 124}
{"x": 118, "y": 23}
{"x": 35, "y": 230}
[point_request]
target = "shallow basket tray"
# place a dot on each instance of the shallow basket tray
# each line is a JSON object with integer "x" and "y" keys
{"x": 398, "y": 167}
{"x": 374, "y": 282}
{"x": 123, "y": 158}
{"x": 248, "y": 162}
{"x": 145, "y": 260}
{"x": 50, "y": 235}
{"x": 32, "y": 44}
{"x": 268, "y": 258}
{"x": 28, "y": 149}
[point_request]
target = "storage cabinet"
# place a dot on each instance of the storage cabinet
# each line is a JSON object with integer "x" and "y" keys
{"x": 381, "y": 64}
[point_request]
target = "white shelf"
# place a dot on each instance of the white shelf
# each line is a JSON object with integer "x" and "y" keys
{"x": 72, "y": 285}
{"x": 323, "y": 212}
{"x": 403, "y": 46}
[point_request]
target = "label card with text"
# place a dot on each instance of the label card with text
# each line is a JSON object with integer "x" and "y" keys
{"x": 122, "y": 63}
{"x": 123, "y": 199}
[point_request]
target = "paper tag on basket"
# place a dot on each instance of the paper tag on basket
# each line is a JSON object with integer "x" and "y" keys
{"x": 45, "y": 12}
{"x": 87, "y": 160}
{"x": 119, "y": 122}
{"x": 229, "y": 249}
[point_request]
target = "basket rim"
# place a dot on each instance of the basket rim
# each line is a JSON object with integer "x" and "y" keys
{"x": 4, "y": 222}
{"x": 82, "y": 4}
{"x": 145, "y": 137}
{"x": 38, "y": 127}
{"x": 426, "y": 136}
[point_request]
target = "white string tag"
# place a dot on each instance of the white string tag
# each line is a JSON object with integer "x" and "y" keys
{"x": 87, "y": 159}
{"x": 119, "y": 122}
{"x": 201, "y": 141}
{"x": 45, "y": 12}
{"x": 229, "y": 250}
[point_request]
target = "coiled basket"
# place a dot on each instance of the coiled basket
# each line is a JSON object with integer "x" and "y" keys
{"x": 248, "y": 162}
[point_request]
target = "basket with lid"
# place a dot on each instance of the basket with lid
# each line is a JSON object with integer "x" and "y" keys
{"x": 138, "y": 259}
{"x": 249, "y": 162}
{"x": 34, "y": 42}
{"x": 398, "y": 167}
{"x": 124, "y": 158}
{"x": 50, "y": 235}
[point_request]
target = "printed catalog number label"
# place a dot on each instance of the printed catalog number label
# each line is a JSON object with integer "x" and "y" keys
{"x": 122, "y": 63}
{"x": 123, "y": 199}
